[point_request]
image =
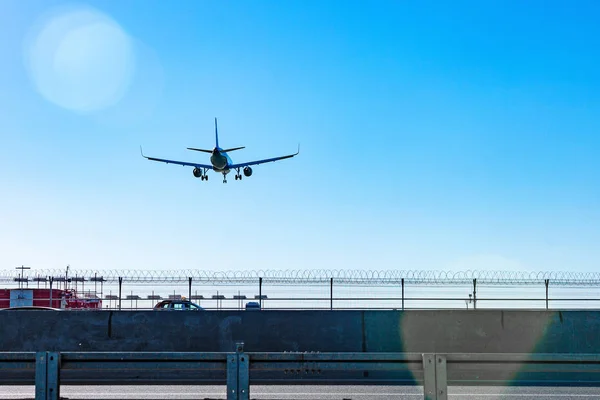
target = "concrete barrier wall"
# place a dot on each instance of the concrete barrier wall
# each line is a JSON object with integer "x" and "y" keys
{"x": 377, "y": 331}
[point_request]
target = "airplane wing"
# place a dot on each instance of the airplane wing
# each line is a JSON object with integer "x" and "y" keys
{"x": 266, "y": 160}
{"x": 184, "y": 163}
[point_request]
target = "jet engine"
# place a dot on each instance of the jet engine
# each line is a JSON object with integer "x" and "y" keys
{"x": 197, "y": 172}
{"x": 247, "y": 171}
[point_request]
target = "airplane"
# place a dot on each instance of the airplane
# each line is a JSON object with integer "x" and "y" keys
{"x": 220, "y": 161}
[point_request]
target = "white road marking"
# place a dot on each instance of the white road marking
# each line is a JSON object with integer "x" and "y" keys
{"x": 104, "y": 395}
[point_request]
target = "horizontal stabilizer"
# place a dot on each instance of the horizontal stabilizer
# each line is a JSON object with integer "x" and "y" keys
{"x": 235, "y": 148}
{"x": 203, "y": 150}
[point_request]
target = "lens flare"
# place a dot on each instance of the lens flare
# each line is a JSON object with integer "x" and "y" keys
{"x": 80, "y": 59}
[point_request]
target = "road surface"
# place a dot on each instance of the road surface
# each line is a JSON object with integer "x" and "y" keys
{"x": 302, "y": 393}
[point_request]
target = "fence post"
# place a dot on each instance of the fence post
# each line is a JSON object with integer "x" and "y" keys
{"x": 474, "y": 294}
{"x": 120, "y": 285}
{"x": 190, "y": 288}
{"x": 402, "y": 294}
{"x": 331, "y": 294}
{"x": 50, "y": 278}
{"x": 260, "y": 292}
{"x": 47, "y": 370}
{"x": 546, "y": 282}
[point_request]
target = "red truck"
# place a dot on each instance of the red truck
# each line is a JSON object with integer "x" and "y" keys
{"x": 55, "y": 298}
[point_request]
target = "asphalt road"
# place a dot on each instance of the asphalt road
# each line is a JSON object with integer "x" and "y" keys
{"x": 303, "y": 393}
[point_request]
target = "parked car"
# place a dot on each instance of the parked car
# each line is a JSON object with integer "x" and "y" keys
{"x": 177, "y": 305}
{"x": 252, "y": 305}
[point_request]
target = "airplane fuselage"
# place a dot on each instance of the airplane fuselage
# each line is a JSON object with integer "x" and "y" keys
{"x": 220, "y": 160}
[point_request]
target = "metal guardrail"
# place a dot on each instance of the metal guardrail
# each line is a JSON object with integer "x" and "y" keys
{"x": 48, "y": 370}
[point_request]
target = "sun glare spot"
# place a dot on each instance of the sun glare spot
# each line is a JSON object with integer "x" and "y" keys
{"x": 80, "y": 59}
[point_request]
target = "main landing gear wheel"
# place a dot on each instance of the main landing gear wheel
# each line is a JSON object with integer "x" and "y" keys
{"x": 238, "y": 175}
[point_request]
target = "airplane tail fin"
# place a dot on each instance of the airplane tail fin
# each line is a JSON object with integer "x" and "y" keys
{"x": 216, "y": 134}
{"x": 216, "y": 142}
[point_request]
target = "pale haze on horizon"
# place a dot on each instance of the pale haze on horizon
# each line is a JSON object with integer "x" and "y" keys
{"x": 434, "y": 136}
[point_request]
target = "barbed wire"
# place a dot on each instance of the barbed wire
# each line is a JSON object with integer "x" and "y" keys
{"x": 317, "y": 277}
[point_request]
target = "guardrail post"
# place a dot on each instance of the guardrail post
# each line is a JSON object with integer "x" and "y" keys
{"x": 232, "y": 384}
{"x": 232, "y": 367}
{"x": 429, "y": 382}
{"x": 243, "y": 373}
{"x": 238, "y": 374}
{"x": 441, "y": 377}
{"x": 47, "y": 370}
{"x": 435, "y": 377}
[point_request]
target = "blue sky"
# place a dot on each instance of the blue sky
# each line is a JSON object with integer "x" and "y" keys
{"x": 434, "y": 135}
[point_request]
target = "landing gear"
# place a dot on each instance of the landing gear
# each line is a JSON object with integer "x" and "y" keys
{"x": 201, "y": 173}
{"x": 238, "y": 175}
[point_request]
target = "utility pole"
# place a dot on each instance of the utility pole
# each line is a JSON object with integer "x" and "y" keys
{"x": 21, "y": 276}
